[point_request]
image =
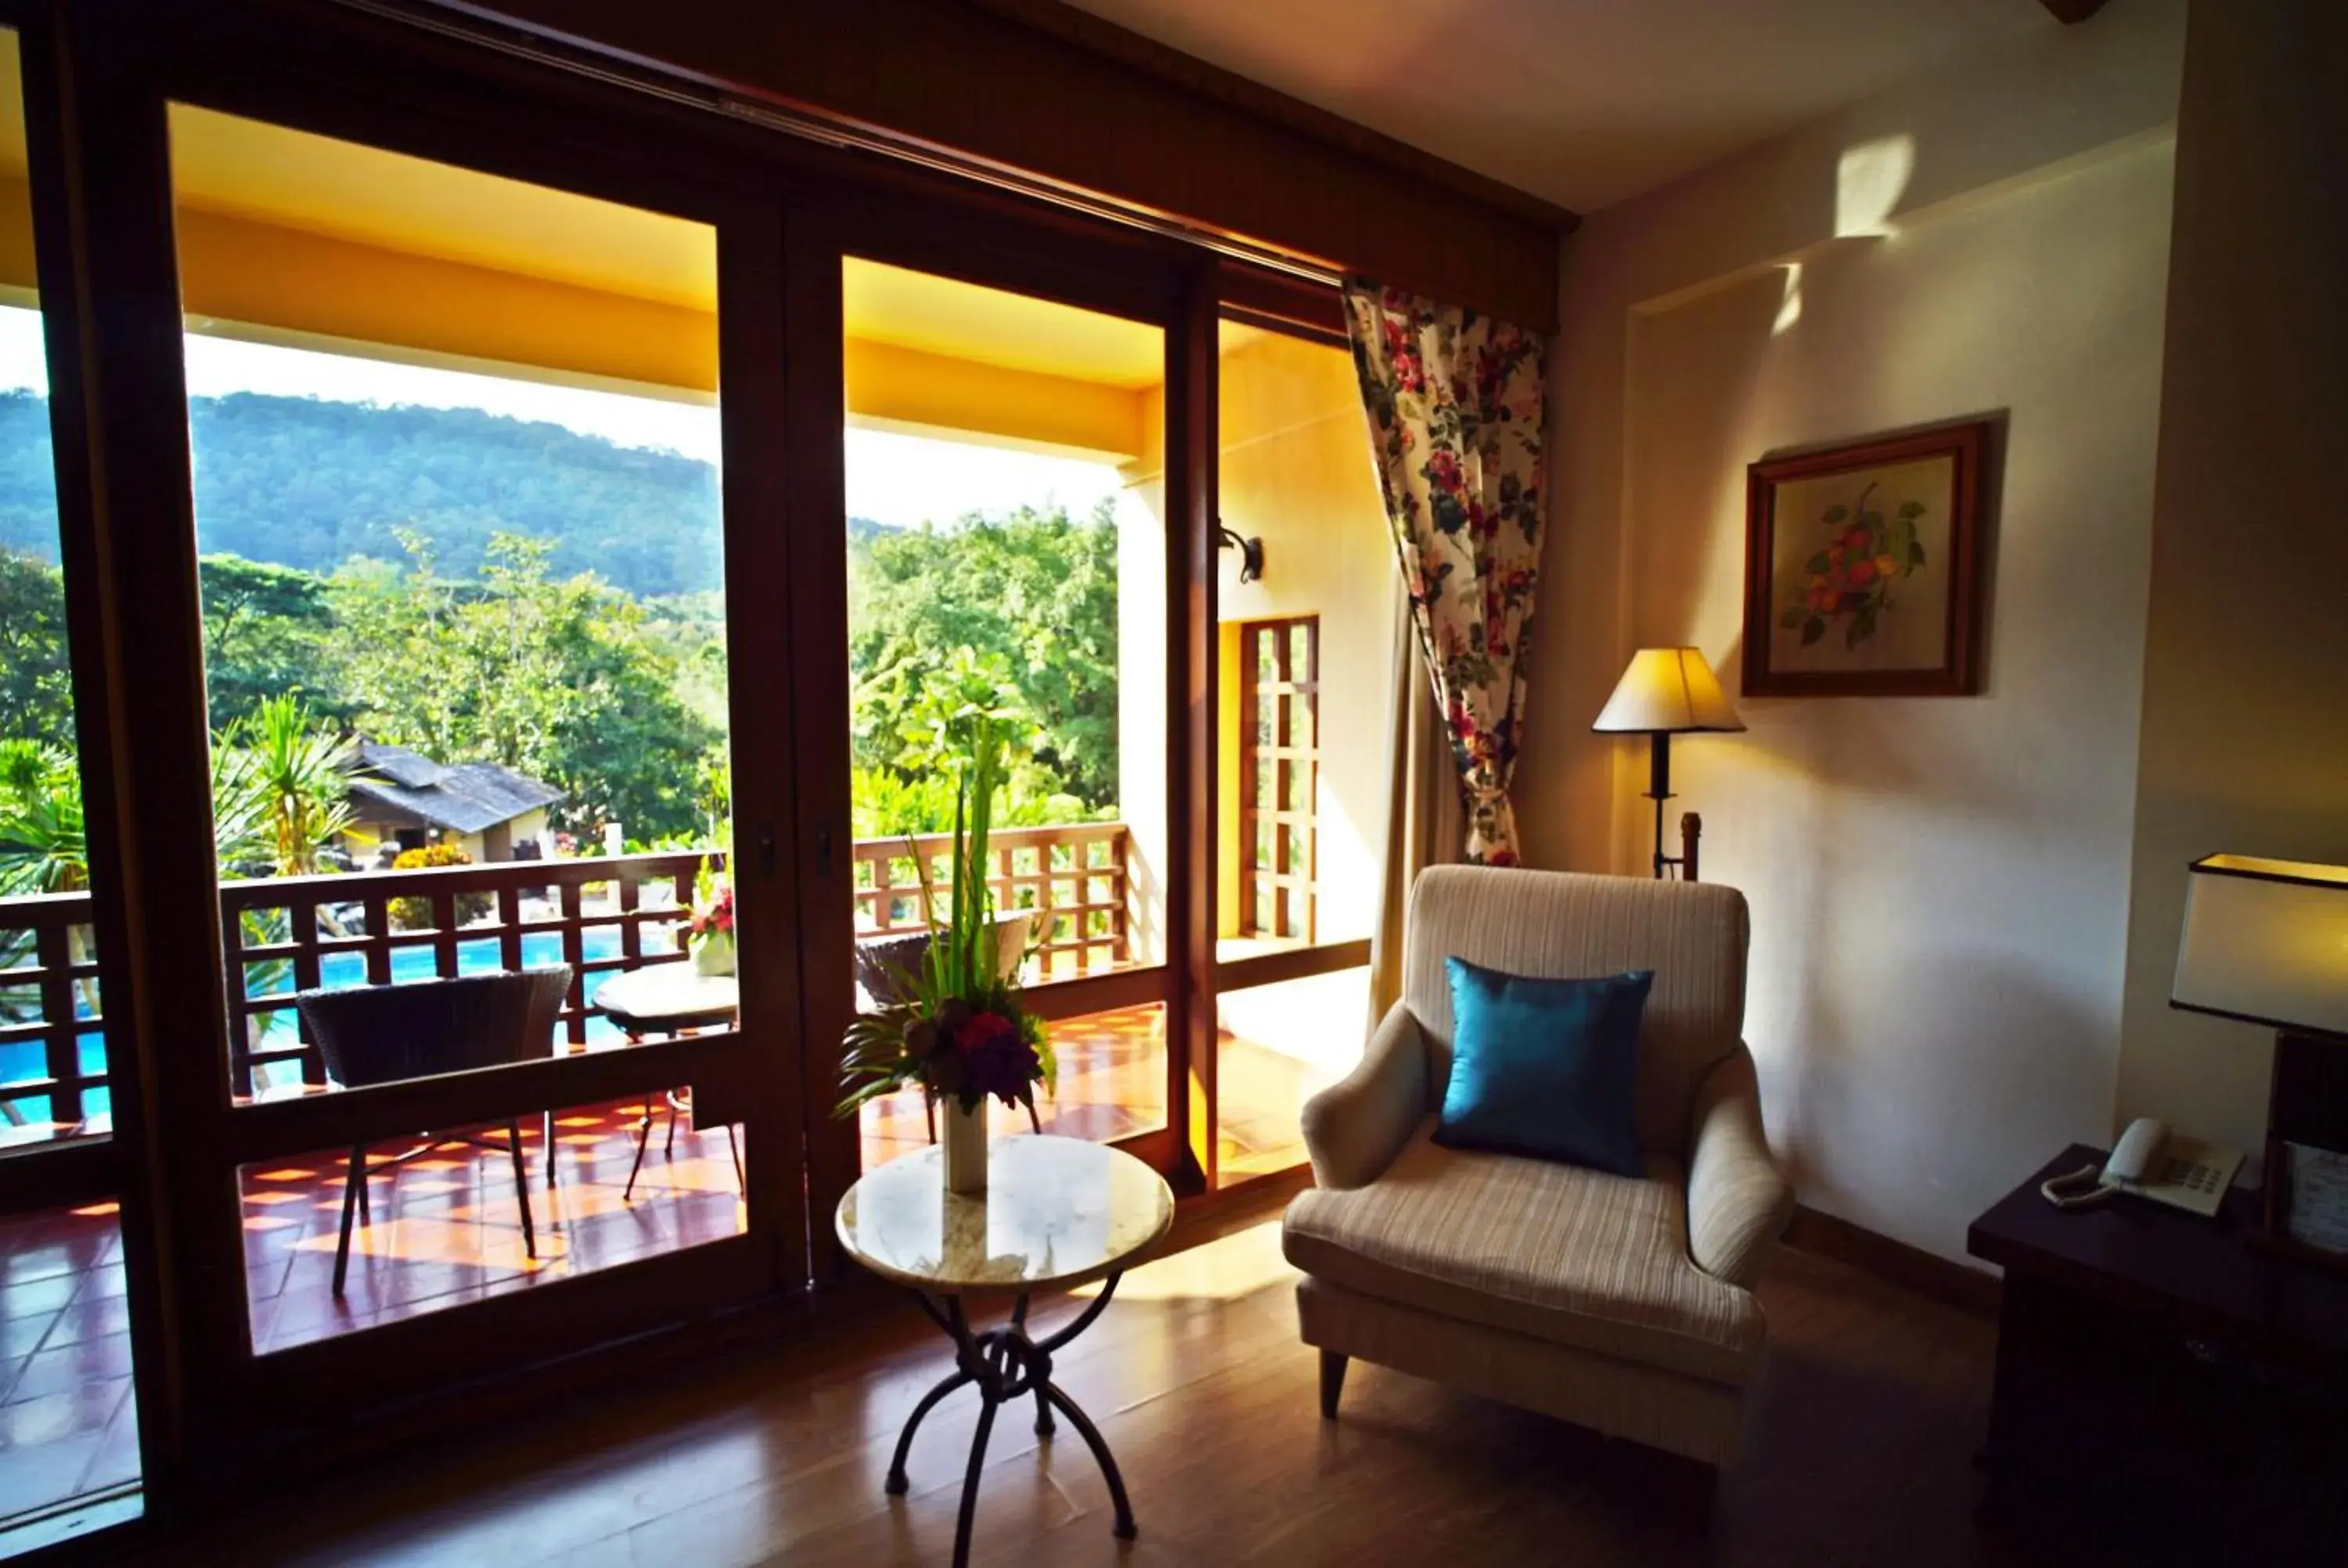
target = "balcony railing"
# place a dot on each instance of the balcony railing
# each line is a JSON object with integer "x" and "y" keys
{"x": 1074, "y": 877}
{"x": 601, "y": 916}
{"x": 49, "y": 993}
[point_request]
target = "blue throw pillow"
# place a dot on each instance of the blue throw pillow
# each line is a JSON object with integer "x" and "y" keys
{"x": 1545, "y": 1067}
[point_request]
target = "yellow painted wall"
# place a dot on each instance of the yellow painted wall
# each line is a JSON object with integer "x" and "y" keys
{"x": 1296, "y": 472}
{"x": 894, "y": 388}
{"x": 249, "y": 274}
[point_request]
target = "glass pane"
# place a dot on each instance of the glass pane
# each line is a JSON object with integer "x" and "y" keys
{"x": 68, "y": 1416}
{"x": 456, "y": 502}
{"x": 1276, "y": 1047}
{"x": 1290, "y": 474}
{"x": 68, "y": 1421}
{"x": 443, "y": 1223}
{"x": 1005, "y": 555}
{"x": 1112, "y": 1085}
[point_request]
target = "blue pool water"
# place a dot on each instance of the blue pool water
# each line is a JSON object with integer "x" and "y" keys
{"x": 540, "y": 949}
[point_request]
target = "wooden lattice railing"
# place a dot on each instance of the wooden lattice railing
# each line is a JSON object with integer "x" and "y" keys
{"x": 285, "y": 934}
{"x": 282, "y": 933}
{"x": 1074, "y": 877}
{"x": 49, "y": 993}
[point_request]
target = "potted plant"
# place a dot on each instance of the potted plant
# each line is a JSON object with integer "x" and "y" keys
{"x": 956, "y": 1027}
{"x": 711, "y": 932}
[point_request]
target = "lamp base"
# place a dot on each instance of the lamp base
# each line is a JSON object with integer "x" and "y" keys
{"x": 1659, "y": 790}
{"x": 2307, "y": 1104}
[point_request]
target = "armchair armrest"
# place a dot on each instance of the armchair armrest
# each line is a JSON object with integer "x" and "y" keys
{"x": 1737, "y": 1200}
{"x": 1355, "y": 1127}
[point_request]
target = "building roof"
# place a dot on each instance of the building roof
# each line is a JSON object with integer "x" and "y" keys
{"x": 395, "y": 785}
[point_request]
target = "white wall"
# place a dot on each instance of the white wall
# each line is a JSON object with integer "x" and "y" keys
{"x": 1939, "y": 887}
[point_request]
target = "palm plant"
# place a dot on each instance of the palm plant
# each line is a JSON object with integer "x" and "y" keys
{"x": 43, "y": 848}
{"x": 962, "y": 1032}
{"x": 297, "y": 778}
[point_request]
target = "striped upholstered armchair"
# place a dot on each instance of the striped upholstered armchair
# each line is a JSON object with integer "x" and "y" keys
{"x": 1625, "y": 1304}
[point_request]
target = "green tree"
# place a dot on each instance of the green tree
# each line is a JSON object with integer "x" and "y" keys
{"x": 1034, "y": 589}
{"x": 267, "y": 632}
{"x": 36, "y": 669}
{"x": 559, "y": 680}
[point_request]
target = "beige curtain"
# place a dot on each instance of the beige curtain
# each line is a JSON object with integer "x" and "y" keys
{"x": 1426, "y": 816}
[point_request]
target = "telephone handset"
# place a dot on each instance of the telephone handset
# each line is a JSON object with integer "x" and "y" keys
{"x": 2152, "y": 1162}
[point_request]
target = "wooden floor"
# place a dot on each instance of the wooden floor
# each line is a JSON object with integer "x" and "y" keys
{"x": 1862, "y": 1455}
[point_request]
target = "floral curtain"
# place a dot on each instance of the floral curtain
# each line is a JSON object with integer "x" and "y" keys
{"x": 1454, "y": 404}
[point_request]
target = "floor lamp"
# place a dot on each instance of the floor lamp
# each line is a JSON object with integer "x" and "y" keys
{"x": 1668, "y": 692}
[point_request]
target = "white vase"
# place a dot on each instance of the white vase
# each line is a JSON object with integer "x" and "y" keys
{"x": 965, "y": 1148}
{"x": 713, "y": 954}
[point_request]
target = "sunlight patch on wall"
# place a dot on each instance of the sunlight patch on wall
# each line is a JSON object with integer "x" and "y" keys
{"x": 1789, "y": 308}
{"x": 1870, "y": 179}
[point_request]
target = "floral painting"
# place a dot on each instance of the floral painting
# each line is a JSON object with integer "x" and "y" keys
{"x": 1861, "y": 564}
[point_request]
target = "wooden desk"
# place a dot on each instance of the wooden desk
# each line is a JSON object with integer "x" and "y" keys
{"x": 2162, "y": 1382}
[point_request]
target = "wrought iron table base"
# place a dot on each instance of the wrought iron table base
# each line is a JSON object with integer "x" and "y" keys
{"x": 1006, "y": 1365}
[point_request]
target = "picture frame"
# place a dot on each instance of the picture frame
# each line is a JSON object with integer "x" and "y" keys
{"x": 1864, "y": 565}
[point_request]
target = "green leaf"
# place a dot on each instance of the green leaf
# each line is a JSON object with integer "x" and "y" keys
{"x": 1871, "y": 519}
{"x": 1858, "y": 629}
{"x": 1815, "y": 563}
{"x": 1912, "y": 508}
{"x": 1794, "y": 615}
{"x": 1915, "y": 554}
{"x": 1836, "y": 513}
{"x": 1815, "y": 630}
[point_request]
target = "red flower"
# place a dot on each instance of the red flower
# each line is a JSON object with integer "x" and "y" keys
{"x": 1443, "y": 467}
{"x": 1862, "y": 572}
{"x": 981, "y": 1031}
{"x": 718, "y": 916}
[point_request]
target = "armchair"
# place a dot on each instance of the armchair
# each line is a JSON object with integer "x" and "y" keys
{"x": 1622, "y": 1304}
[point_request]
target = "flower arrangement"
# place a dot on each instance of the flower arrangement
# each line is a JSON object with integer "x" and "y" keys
{"x": 960, "y": 1033}
{"x": 711, "y": 929}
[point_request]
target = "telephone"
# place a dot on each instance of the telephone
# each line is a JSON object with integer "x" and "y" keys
{"x": 2152, "y": 1162}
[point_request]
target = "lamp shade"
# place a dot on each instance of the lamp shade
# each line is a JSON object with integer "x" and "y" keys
{"x": 2265, "y": 941}
{"x": 1667, "y": 691}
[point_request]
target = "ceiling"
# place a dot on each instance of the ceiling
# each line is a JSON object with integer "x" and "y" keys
{"x": 1584, "y": 102}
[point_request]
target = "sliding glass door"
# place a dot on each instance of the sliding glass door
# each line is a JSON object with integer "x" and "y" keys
{"x": 470, "y": 791}
{"x": 1306, "y": 624}
{"x": 1008, "y": 539}
{"x": 69, "y": 1409}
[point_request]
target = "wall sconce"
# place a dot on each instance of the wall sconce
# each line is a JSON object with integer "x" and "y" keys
{"x": 1250, "y": 552}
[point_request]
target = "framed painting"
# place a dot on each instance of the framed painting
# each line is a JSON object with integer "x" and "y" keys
{"x": 1863, "y": 568}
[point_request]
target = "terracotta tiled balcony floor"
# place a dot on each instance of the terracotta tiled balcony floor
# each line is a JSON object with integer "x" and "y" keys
{"x": 68, "y": 1426}
{"x": 1112, "y": 1084}
{"x": 444, "y": 1228}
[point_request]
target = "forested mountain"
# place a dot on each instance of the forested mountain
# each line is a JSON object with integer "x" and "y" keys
{"x": 307, "y": 483}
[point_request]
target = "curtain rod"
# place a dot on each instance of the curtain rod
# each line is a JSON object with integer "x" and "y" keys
{"x": 475, "y": 24}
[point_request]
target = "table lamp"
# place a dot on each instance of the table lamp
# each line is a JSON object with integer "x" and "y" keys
{"x": 2266, "y": 942}
{"x": 1668, "y": 692}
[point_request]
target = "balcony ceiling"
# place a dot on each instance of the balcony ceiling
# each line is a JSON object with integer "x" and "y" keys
{"x": 1584, "y": 102}
{"x": 291, "y": 179}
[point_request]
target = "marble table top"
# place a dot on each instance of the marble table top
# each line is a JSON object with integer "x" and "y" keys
{"x": 669, "y": 996}
{"x": 1055, "y": 1211}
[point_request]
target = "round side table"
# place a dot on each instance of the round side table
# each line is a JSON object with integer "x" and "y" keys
{"x": 1057, "y": 1212}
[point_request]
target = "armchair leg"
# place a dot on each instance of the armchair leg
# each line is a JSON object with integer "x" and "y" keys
{"x": 1333, "y": 1383}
